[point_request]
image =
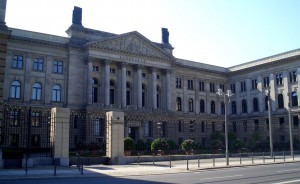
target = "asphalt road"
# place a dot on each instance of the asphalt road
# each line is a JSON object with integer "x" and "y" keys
{"x": 275, "y": 174}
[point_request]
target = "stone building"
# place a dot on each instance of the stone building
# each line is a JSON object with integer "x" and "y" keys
{"x": 92, "y": 71}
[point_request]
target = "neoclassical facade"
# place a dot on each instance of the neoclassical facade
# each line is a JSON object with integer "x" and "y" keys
{"x": 92, "y": 71}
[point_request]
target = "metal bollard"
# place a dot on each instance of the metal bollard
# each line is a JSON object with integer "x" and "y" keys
{"x": 274, "y": 156}
{"x": 55, "y": 160}
{"x": 283, "y": 156}
{"x": 252, "y": 158}
{"x": 293, "y": 156}
{"x": 81, "y": 167}
{"x": 264, "y": 157}
{"x": 153, "y": 159}
{"x": 170, "y": 160}
{"x": 241, "y": 158}
{"x": 187, "y": 162}
{"x": 198, "y": 161}
{"x": 138, "y": 158}
{"x": 26, "y": 164}
{"x": 213, "y": 160}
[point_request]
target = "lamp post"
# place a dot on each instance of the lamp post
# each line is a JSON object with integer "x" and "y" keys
{"x": 229, "y": 94}
{"x": 267, "y": 92}
{"x": 290, "y": 124}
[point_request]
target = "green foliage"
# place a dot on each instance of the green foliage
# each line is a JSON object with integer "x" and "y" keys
{"x": 159, "y": 144}
{"x": 172, "y": 145}
{"x": 188, "y": 145}
{"x": 128, "y": 143}
{"x": 140, "y": 145}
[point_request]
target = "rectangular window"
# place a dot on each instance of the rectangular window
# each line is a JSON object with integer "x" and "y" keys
{"x": 144, "y": 75}
{"x": 38, "y": 64}
{"x": 256, "y": 125}
{"x": 245, "y": 128}
{"x": 233, "y": 126}
{"x": 128, "y": 72}
{"x": 14, "y": 140}
{"x": 296, "y": 121}
{"x": 254, "y": 84}
{"x": 180, "y": 126}
{"x": 293, "y": 76}
{"x": 57, "y": 66}
{"x": 281, "y": 122}
{"x": 35, "y": 119}
{"x": 157, "y": 77}
{"x": 14, "y": 118}
{"x": 232, "y": 87}
{"x": 266, "y": 82}
{"x": 35, "y": 140}
{"x": 201, "y": 86}
{"x": 17, "y": 62}
{"x": 112, "y": 70}
{"x": 192, "y": 126}
{"x": 203, "y": 127}
{"x": 190, "y": 85}
{"x": 212, "y": 87}
{"x": 148, "y": 128}
{"x": 95, "y": 68}
{"x": 178, "y": 82}
{"x": 243, "y": 86}
{"x": 279, "y": 79}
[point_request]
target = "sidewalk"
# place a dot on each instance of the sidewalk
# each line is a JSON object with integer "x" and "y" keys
{"x": 145, "y": 168}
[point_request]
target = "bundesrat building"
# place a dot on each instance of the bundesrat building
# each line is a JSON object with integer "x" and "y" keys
{"x": 92, "y": 72}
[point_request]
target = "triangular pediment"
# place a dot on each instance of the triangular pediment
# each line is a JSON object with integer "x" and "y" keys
{"x": 132, "y": 43}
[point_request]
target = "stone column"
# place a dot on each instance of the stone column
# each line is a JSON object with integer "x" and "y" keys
{"x": 238, "y": 102}
{"x": 168, "y": 96}
{"x": 249, "y": 100}
{"x": 154, "y": 90}
{"x": 286, "y": 89}
{"x": 261, "y": 95}
{"x": 139, "y": 87}
{"x": 89, "y": 82}
{"x": 115, "y": 137}
{"x": 123, "y": 85}
{"x": 272, "y": 92}
{"x": 60, "y": 121}
{"x": 106, "y": 81}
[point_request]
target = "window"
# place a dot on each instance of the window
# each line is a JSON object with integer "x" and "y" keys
{"x": 212, "y": 107}
{"x": 201, "y": 86}
{"x": 203, "y": 142}
{"x": 75, "y": 122}
{"x": 35, "y": 140}
{"x": 279, "y": 79}
{"x": 191, "y": 105}
{"x": 38, "y": 64}
{"x": 294, "y": 99}
{"x": 296, "y": 121}
{"x": 14, "y": 117}
{"x": 35, "y": 119}
{"x": 245, "y": 128}
{"x": 213, "y": 127}
{"x": 280, "y": 101}
{"x": 15, "y": 89}
{"x": 58, "y": 66}
{"x": 254, "y": 84}
{"x": 144, "y": 75}
{"x": 112, "y": 92}
{"x": 95, "y": 68}
{"x": 255, "y": 105}
{"x": 266, "y": 103}
{"x": 17, "y": 62}
{"x": 56, "y": 93}
{"x": 293, "y": 76}
{"x": 157, "y": 77}
{"x": 178, "y": 82}
{"x": 148, "y": 128}
{"x": 14, "y": 140}
{"x": 99, "y": 127}
{"x": 266, "y": 82}
{"x": 232, "y": 87}
{"x": 267, "y": 124}
{"x": 281, "y": 122}
{"x": 203, "y": 126}
{"x": 256, "y": 125}
{"x": 243, "y": 87}
{"x": 233, "y": 126}
{"x": 244, "y": 106}
{"x": 36, "y": 91}
{"x": 158, "y": 95}
{"x": 212, "y": 87}
{"x": 128, "y": 72}
{"x": 128, "y": 93}
{"x": 233, "y": 107}
{"x": 95, "y": 90}
{"x": 112, "y": 70}
{"x": 202, "y": 106}
{"x": 222, "y": 87}
{"x": 180, "y": 126}
{"x": 164, "y": 129}
{"x": 178, "y": 104}
{"x": 144, "y": 92}
{"x": 190, "y": 85}
{"x": 222, "y": 108}
{"x": 192, "y": 126}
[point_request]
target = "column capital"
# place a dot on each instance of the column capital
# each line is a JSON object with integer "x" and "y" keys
{"x": 106, "y": 61}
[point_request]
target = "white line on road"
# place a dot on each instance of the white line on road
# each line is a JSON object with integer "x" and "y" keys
{"x": 221, "y": 177}
{"x": 289, "y": 170}
{"x": 284, "y": 182}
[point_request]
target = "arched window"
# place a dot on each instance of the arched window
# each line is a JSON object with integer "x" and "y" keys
{"x": 244, "y": 106}
{"x": 222, "y": 108}
{"x": 144, "y": 97}
{"x": 294, "y": 99}
{"x": 191, "y": 105}
{"x": 56, "y": 93}
{"x": 95, "y": 90}
{"x": 158, "y": 96}
{"x": 178, "y": 104}
{"x": 112, "y": 92}
{"x": 266, "y": 103}
{"x": 15, "y": 89}
{"x": 280, "y": 101}
{"x": 255, "y": 105}
{"x": 36, "y": 91}
{"x": 202, "y": 106}
{"x": 212, "y": 107}
{"x": 128, "y": 94}
{"x": 233, "y": 107}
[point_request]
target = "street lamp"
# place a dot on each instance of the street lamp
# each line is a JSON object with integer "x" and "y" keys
{"x": 229, "y": 94}
{"x": 267, "y": 92}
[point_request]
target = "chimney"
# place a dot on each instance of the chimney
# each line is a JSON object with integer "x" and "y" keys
{"x": 165, "y": 35}
{"x": 77, "y": 16}
{"x": 2, "y": 13}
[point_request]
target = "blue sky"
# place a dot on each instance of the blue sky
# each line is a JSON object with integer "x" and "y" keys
{"x": 218, "y": 32}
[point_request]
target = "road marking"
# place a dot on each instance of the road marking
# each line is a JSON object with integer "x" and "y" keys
{"x": 292, "y": 181}
{"x": 289, "y": 170}
{"x": 221, "y": 177}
